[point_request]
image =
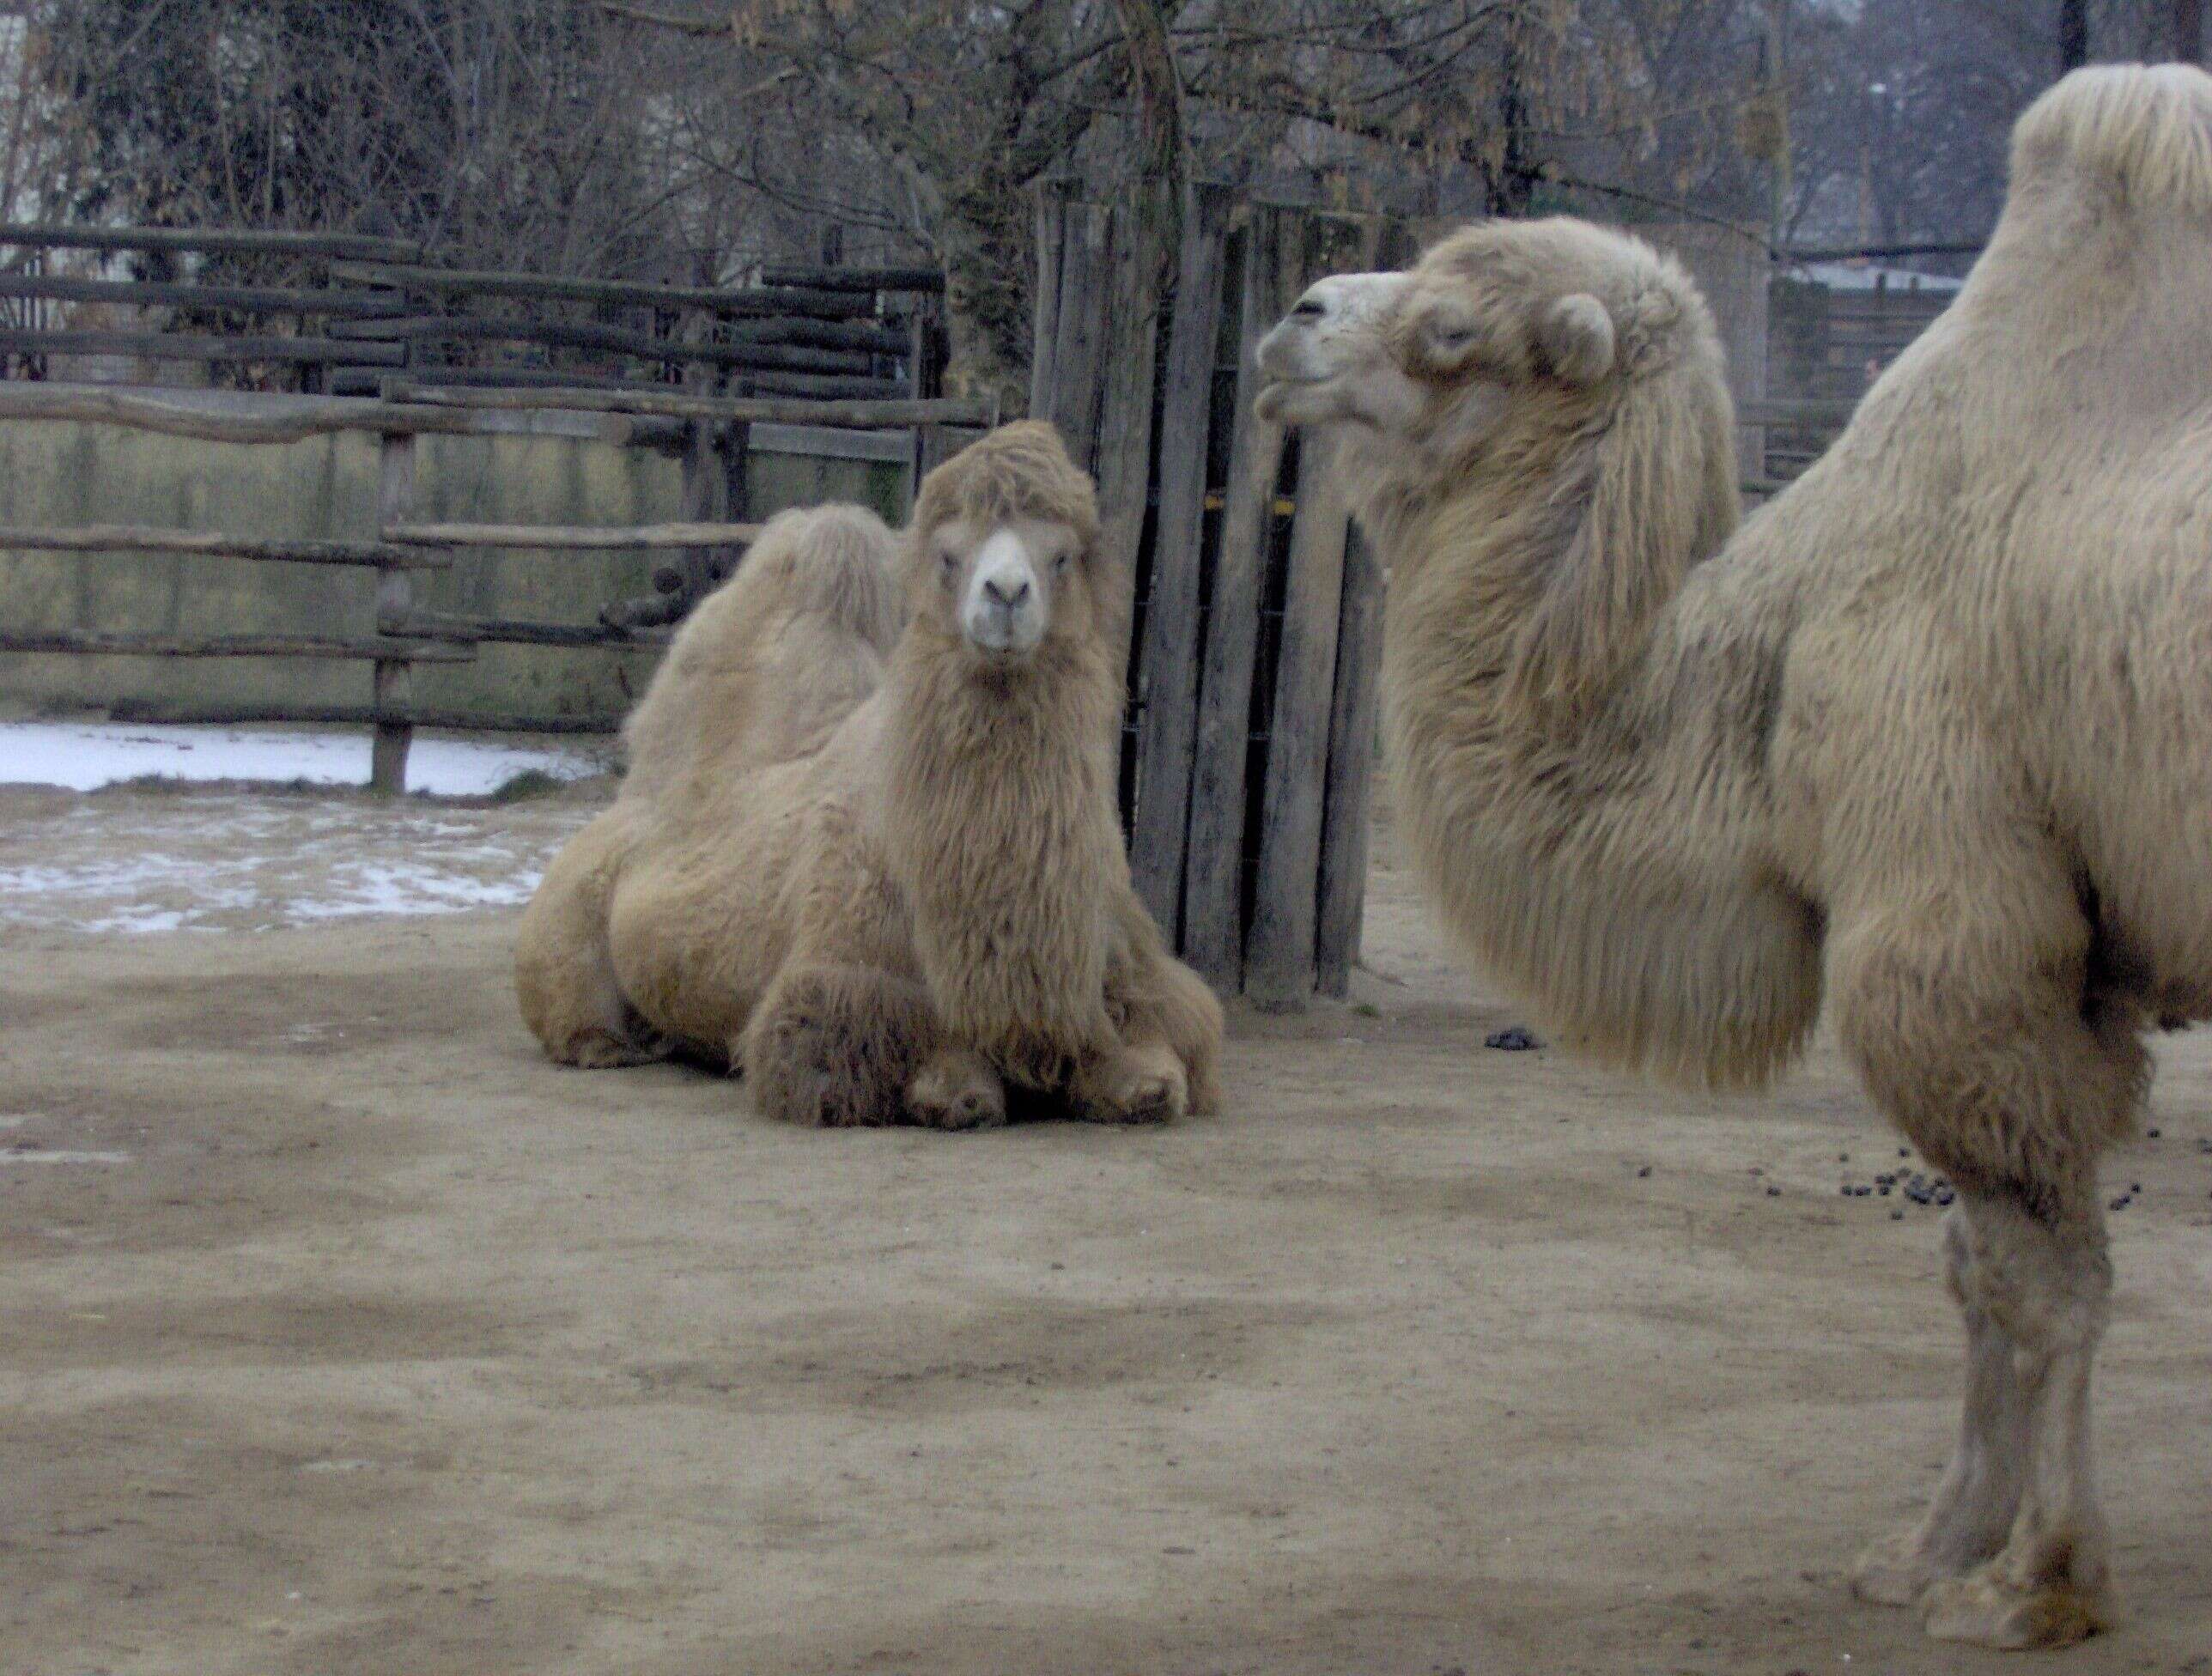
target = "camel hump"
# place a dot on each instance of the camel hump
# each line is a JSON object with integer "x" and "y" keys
{"x": 2147, "y": 129}
{"x": 837, "y": 563}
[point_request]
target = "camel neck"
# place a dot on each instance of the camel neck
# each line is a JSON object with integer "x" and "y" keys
{"x": 1003, "y": 831}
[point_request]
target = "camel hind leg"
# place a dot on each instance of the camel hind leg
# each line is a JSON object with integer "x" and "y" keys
{"x": 1977, "y": 1033}
{"x": 564, "y": 975}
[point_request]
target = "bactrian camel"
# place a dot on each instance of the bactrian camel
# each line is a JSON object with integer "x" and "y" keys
{"x": 905, "y": 911}
{"x": 1930, "y": 735}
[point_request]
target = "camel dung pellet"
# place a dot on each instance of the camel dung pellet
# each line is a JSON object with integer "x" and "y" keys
{"x": 1773, "y": 1191}
{"x": 1643, "y": 1172}
{"x": 1897, "y": 1216}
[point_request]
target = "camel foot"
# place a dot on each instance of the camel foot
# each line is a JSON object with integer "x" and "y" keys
{"x": 601, "y": 1050}
{"x": 1141, "y": 1085}
{"x": 1989, "y": 1611}
{"x": 1895, "y": 1571}
{"x": 958, "y": 1089}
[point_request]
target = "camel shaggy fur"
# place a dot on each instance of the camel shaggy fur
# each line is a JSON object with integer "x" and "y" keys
{"x": 1928, "y": 735}
{"x": 894, "y": 887}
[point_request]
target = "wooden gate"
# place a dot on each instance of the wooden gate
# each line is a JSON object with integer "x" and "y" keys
{"x": 1256, "y": 616}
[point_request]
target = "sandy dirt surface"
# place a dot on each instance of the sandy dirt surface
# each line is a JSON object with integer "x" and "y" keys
{"x": 340, "y": 1333}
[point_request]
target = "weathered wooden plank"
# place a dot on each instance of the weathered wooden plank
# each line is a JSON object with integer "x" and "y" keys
{"x": 1080, "y": 331}
{"x": 1122, "y": 448}
{"x": 1052, "y": 201}
{"x": 1280, "y": 943}
{"x": 859, "y": 415}
{"x": 1212, "y": 925}
{"x": 91, "y": 644}
{"x": 192, "y": 346}
{"x": 1346, "y": 801}
{"x": 295, "y": 418}
{"x": 344, "y": 245}
{"x": 1167, "y": 664}
{"x": 717, "y": 299}
{"x": 359, "y": 715}
{"x": 639, "y": 345}
{"x": 856, "y": 279}
{"x": 141, "y": 538}
{"x": 515, "y": 632}
{"x": 572, "y": 538}
{"x": 147, "y": 294}
{"x": 395, "y": 603}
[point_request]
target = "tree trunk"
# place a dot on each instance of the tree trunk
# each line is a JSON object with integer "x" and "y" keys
{"x": 984, "y": 239}
{"x": 2189, "y": 30}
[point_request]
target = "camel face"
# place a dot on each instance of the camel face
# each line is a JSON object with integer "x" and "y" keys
{"x": 1328, "y": 360}
{"x": 1007, "y": 588}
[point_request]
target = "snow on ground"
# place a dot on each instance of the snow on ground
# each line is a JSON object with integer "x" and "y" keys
{"x": 85, "y": 755}
{"x": 171, "y": 857}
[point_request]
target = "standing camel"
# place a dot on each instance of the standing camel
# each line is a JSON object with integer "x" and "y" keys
{"x": 1930, "y": 735}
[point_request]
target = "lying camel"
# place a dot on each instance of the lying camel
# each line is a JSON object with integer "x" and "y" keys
{"x": 903, "y": 912}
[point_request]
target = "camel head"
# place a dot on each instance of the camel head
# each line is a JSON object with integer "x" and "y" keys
{"x": 1004, "y": 560}
{"x": 1502, "y": 327}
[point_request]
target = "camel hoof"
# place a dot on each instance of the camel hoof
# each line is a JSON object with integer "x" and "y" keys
{"x": 1149, "y": 1099}
{"x": 598, "y": 1050}
{"x": 957, "y": 1093}
{"x": 1985, "y": 1610}
{"x": 1894, "y": 1571}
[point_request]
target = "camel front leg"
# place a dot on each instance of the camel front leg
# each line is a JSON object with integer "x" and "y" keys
{"x": 836, "y": 1046}
{"x": 2046, "y": 1281}
{"x": 1141, "y": 1081}
{"x": 1980, "y": 1494}
{"x": 957, "y": 1089}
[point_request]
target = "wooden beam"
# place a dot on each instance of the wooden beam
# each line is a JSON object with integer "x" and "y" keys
{"x": 1167, "y": 663}
{"x": 295, "y": 418}
{"x": 1213, "y": 918}
{"x": 856, "y": 279}
{"x": 71, "y": 642}
{"x": 394, "y": 680}
{"x": 1279, "y": 945}
{"x": 1346, "y": 813}
{"x": 137, "y": 294}
{"x": 639, "y": 345}
{"x": 356, "y": 715}
{"x": 453, "y": 281}
{"x": 572, "y": 537}
{"x": 50, "y": 237}
{"x": 861, "y": 415}
{"x": 139, "y": 538}
{"x": 188, "y": 346}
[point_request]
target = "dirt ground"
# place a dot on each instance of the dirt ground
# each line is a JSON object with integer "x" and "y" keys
{"x": 339, "y": 1333}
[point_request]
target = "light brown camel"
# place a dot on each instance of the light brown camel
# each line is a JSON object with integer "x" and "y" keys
{"x": 933, "y": 904}
{"x": 1931, "y": 734}
{"x": 760, "y": 673}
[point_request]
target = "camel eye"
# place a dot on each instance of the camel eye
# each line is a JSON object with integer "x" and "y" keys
{"x": 1060, "y": 560}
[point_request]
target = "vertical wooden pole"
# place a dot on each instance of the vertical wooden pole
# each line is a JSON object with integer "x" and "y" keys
{"x": 1213, "y": 916}
{"x": 1122, "y": 445}
{"x": 1346, "y": 802}
{"x": 395, "y": 603}
{"x": 1044, "y": 345}
{"x": 1080, "y": 329}
{"x": 1167, "y": 666}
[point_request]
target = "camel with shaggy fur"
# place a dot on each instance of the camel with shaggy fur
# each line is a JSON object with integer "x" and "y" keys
{"x": 1927, "y": 736}
{"x": 760, "y": 673}
{"x": 932, "y": 906}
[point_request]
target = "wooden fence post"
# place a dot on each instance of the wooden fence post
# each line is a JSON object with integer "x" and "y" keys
{"x": 1167, "y": 667}
{"x": 1346, "y": 803}
{"x": 1077, "y": 374}
{"x": 395, "y": 604}
{"x": 1212, "y": 921}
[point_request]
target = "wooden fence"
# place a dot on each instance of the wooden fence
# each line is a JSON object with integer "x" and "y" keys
{"x": 1256, "y": 614}
{"x": 402, "y": 635}
{"x": 352, "y": 312}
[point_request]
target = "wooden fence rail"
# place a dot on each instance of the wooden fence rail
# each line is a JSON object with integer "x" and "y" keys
{"x": 406, "y": 635}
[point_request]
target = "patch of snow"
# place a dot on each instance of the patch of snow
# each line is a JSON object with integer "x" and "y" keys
{"x": 64, "y": 1158}
{"x": 83, "y": 756}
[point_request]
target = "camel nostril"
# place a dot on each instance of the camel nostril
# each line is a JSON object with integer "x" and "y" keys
{"x": 1002, "y": 595}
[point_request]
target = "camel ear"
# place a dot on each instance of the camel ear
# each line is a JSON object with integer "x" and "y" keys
{"x": 1656, "y": 493}
{"x": 1575, "y": 337}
